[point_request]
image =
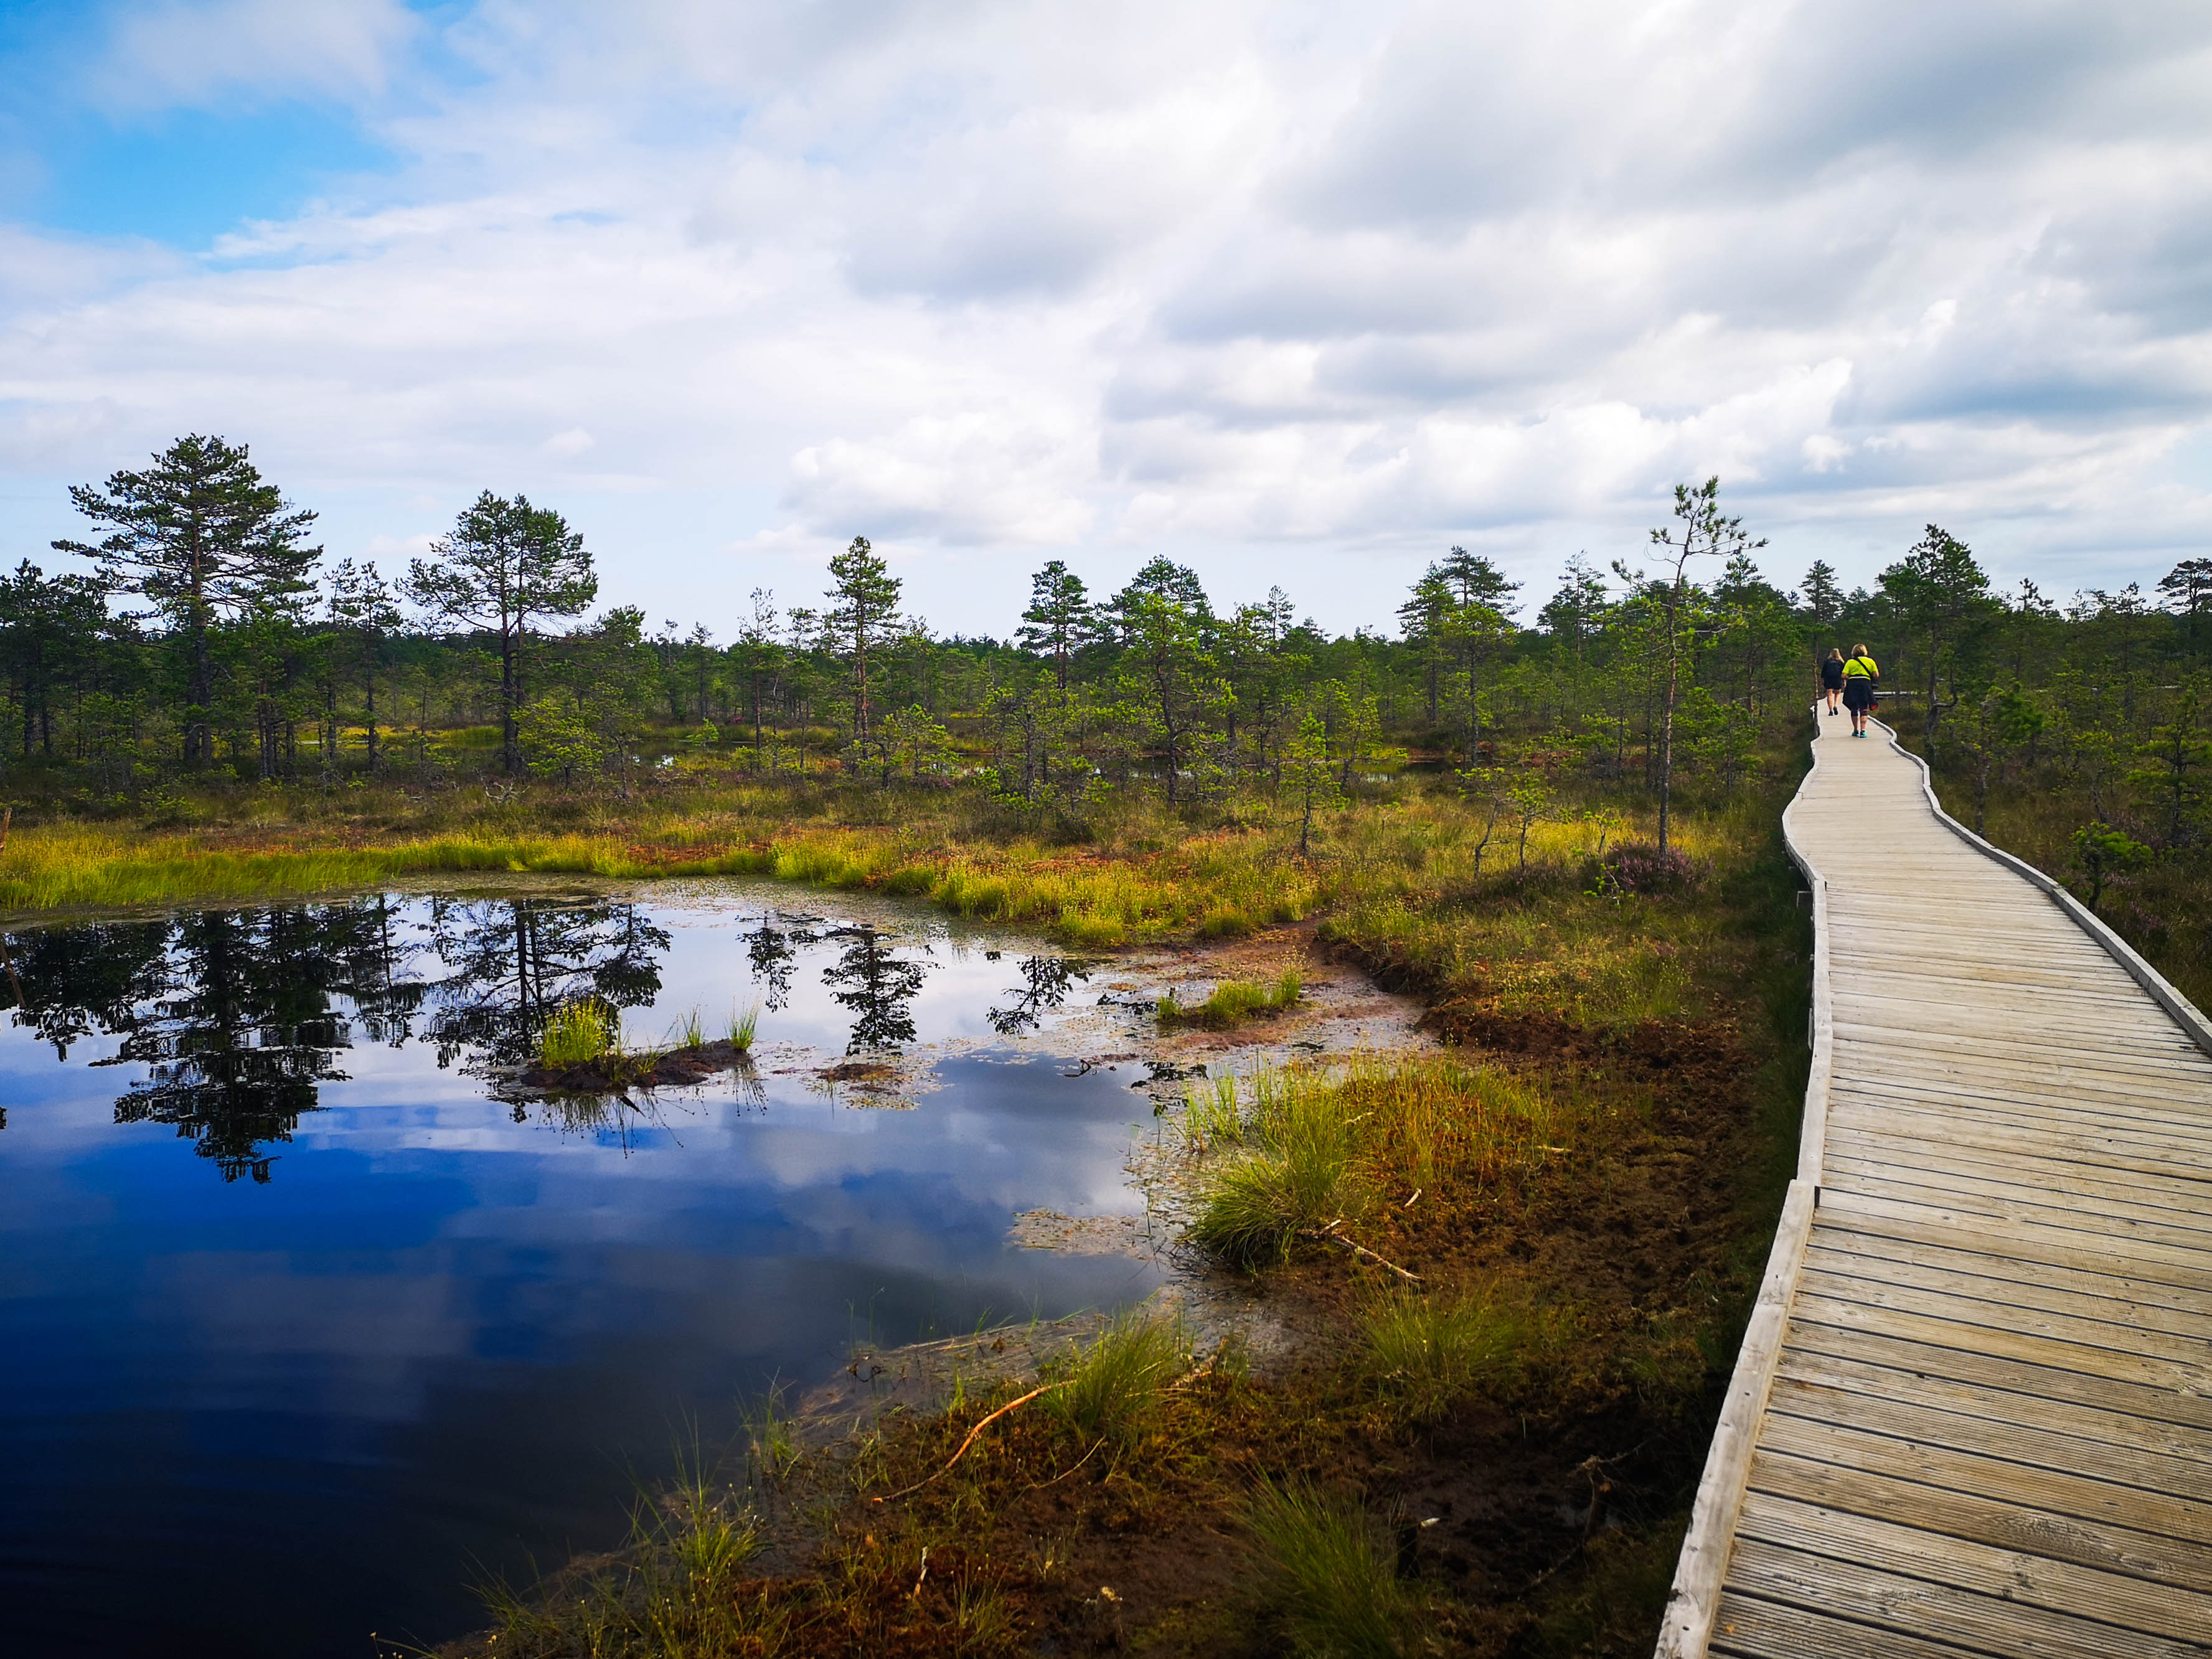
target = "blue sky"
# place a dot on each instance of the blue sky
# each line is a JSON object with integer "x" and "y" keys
{"x": 1298, "y": 293}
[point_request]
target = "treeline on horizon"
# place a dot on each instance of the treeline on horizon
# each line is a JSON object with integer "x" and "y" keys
{"x": 211, "y": 641}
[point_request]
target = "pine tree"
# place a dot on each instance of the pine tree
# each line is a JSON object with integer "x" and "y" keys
{"x": 1571, "y": 614}
{"x": 863, "y": 614}
{"x": 49, "y": 626}
{"x": 1060, "y": 618}
{"x": 1700, "y": 532}
{"x": 1823, "y": 595}
{"x": 1941, "y": 595}
{"x": 202, "y": 539}
{"x": 2188, "y": 588}
{"x": 506, "y": 564}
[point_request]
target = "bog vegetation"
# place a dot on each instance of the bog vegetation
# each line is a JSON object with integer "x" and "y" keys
{"x": 203, "y": 647}
{"x": 1549, "y": 813}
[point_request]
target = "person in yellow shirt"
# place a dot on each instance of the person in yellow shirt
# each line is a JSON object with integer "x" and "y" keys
{"x": 1860, "y": 678}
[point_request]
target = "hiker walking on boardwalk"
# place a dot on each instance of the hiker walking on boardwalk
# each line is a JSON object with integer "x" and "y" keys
{"x": 1860, "y": 678}
{"x": 1831, "y": 677}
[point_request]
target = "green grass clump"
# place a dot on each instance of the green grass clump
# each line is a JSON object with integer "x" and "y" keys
{"x": 1322, "y": 1146}
{"x": 1212, "y": 1115}
{"x": 578, "y": 1032}
{"x": 677, "y": 1587}
{"x": 742, "y": 1028}
{"x": 1298, "y": 1177}
{"x": 1424, "y": 1356}
{"x": 1111, "y": 1388}
{"x": 1329, "y": 1579}
{"x": 1234, "y": 1001}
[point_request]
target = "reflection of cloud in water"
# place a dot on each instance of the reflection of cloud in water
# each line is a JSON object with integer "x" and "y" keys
{"x": 435, "y": 1335}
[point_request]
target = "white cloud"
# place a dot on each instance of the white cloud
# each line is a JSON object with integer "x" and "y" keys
{"x": 181, "y": 53}
{"x": 1025, "y": 280}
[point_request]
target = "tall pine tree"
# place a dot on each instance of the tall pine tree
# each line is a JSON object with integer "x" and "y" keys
{"x": 202, "y": 539}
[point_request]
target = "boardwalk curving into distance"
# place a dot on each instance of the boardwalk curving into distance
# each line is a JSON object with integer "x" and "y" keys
{"x": 1974, "y": 1411}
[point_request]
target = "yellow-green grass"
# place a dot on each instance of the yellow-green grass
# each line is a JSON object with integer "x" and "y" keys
{"x": 1328, "y": 1580}
{"x": 1326, "y": 1147}
{"x": 1424, "y": 1354}
{"x": 1543, "y": 940}
{"x": 1234, "y": 1001}
{"x": 578, "y": 1032}
{"x": 1407, "y": 882}
{"x": 1083, "y": 899}
{"x": 1110, "y": 1389}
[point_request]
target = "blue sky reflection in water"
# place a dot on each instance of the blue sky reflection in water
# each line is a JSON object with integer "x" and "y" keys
{"x": 297, "y": 1320}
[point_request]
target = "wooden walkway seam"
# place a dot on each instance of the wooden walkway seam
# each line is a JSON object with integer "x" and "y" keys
{"x": 1971, "y": 1416}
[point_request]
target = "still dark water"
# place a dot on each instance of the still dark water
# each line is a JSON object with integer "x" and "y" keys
{"x": 302, "y": 1326}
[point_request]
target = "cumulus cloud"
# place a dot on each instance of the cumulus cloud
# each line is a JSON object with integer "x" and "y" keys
{"x": 1289, "y": 289}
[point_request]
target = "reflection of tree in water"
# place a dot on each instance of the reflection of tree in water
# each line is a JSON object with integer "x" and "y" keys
{"x": 510, "y": 963}
{"x": 72, "y": 982}
{"x": 1046, "y": 981}
{"x": 877, "y": 986}
{"x": 231, "y": 1012}
{"x": 238, "y": 1016}
{"x": 771, "y": 955}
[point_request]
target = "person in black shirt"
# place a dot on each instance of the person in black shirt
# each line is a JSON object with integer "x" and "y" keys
{"x": 1832, "y": 678}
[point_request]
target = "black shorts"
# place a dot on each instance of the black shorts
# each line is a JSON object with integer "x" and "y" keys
{"x": 1831, "y": 682}
{"x": 1858, "y": 695}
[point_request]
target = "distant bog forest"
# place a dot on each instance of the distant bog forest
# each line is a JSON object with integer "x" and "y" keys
{"x": 208, "y": 641}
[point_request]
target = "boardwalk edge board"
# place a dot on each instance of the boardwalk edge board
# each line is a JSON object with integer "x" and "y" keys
{"x": 2178, "y": 1007}
{"x": 1687, "y": 1625}
{"x": 1687, "y": 1628}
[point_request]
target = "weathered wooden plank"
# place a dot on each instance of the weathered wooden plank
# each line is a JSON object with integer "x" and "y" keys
{"x": 2024, "y": 1485}
{"x": 2146, "y": 1195}
{"x": 2182, "y": 1480}
{"x": 2165, "y": 1307}
{"x": 2181, "y": 1224}
{"x": 2025, "y": 1578}
{"x": 2001, "y": 1054}
{"x": 1935, "y": 1192}
{"x": 1753, "y": 1629}
{"x": 2041, "y": 986}
{"x": 2024, "y": 1410}
{"x": 1981, "y": 1622}
{"x": 2028, "y": 1022}
{"x": 1910, "y": 1122}
{"x": 1987, "y": 1522}
{"x": 2065, "y": 1247}
{"x": 2092, "y": 1359}
{"x": 2175, "y": 1324}
{"x": 2178, "y": 1079}
{"x": 2127, "y": 1126}
{"x": 1867, "y": 1063}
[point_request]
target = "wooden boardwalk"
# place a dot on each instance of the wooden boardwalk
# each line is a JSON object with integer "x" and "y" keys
{"x": 1974, "y": 1411}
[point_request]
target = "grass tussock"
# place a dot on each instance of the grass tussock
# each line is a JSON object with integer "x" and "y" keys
{"x": 1322, "y": 1147}
{"x": 1329, "y": 1579}
{"x": 677, "y": 1589}
{"x": 744, "y": 1025}
{"x": 1234, "y": 1001}
{"x": 1425, "y": 1355}
{"x": 579, "y": 1032}
{"x": 1213, "y": 1115}
{"x": 1111, "y": 1388}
